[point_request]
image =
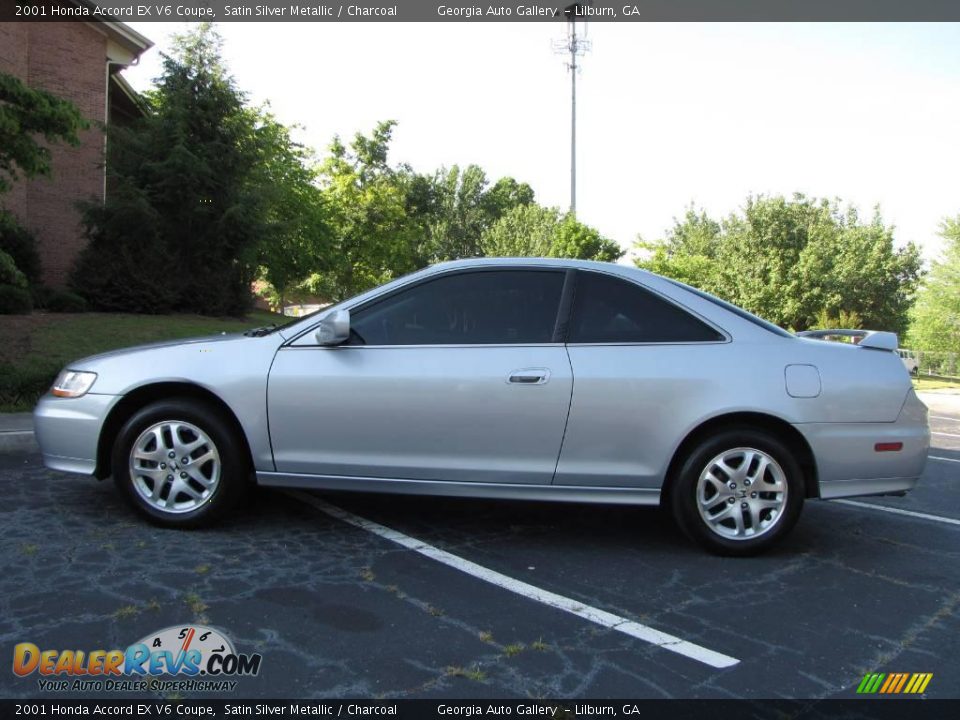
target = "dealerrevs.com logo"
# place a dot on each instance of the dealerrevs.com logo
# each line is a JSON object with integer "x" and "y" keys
{"x": 193, "y": 657}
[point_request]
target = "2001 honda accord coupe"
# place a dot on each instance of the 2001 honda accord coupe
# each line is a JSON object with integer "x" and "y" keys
{"x": 503, "y": 378}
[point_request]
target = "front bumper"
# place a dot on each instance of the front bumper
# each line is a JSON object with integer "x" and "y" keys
{"x": 68, "y": 430}
{"x": 848, "y": 465}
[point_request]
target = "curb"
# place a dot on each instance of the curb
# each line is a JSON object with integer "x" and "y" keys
{"x": 940, "y": 401}
{"x": 16, "y": 433}
{"x": 17, "y": 441}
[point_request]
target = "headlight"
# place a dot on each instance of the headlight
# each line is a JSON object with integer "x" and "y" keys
{"x": 72, "y": 383}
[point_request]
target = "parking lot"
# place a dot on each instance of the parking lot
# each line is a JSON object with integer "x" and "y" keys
{"x": 376, "y": 596}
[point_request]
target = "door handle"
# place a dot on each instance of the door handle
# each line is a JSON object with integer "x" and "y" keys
{"x": 529, "y": 376}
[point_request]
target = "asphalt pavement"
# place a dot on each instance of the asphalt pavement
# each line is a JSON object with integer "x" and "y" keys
{"x": 368, "y": 596}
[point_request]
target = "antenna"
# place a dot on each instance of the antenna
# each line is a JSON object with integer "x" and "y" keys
{"x": 576, "y": 46}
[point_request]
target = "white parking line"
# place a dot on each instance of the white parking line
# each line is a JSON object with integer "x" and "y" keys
{"x": 592, "y": 614}
{"x": 945, "y": 434}
{"x": 16, "y": 432}
{"x": 942, "y": 459}
{"x": 898, "y": 511}
{"x": 944, "y": 417}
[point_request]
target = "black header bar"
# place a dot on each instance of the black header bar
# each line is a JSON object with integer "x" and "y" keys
{"x": 515, "y": 709}
{"x": 467, "y": 11}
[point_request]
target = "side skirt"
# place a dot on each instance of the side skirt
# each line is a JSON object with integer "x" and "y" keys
{"x": 502, "y": 491}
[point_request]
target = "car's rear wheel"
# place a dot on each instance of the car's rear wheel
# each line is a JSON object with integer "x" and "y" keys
{"x": 179, "y": 463}
{"x": 738, "y": 492}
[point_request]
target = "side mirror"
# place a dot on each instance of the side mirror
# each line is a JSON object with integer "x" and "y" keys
{"x": 334, "y": 329}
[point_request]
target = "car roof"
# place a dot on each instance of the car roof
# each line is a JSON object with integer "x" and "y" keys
{"x": 559, "y": 263}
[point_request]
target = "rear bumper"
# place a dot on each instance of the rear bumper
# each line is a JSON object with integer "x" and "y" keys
{"x": 68, "y": 430}
{"x": 848, "y": 465}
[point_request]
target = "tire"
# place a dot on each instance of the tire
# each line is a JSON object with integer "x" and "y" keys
{"x": 756, "y": 519}
{"x": 166, "y": 490}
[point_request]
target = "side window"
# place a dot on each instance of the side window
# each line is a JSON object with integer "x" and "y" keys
{"x": 612, "y": 310}
{"x": 489, "y": 307}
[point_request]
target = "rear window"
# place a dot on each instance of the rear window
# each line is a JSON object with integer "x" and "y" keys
{"x": 738, "y": 311}
{"x": 608, "y": 309}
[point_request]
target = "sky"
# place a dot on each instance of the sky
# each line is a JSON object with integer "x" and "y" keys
{"x": 669, "y": 114}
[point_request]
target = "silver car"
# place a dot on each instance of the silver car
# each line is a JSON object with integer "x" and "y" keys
{"x": 524, "y": 379}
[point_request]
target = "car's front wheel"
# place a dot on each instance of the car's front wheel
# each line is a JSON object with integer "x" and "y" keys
{"x": 738, "y": 492}
{"x": 179, "y": 463}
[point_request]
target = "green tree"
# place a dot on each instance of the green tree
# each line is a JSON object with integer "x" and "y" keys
{"x": 459, "y": 216}
{"x": 463, "y": 207}
{"x": 935, "y": 318}
{"x": 200, "y": 184}
{"x": 9, "y": 274}
{"x": 19, "y": 244}
{"x": 761, "y": 251}
{"x": 374, "y": 234}
{"x": 573, "y": 239}
{"x": 524, "y": 231}
{"x": 795, "y": 262}
{"x": 26, "y": 116}
{"x": 505, "y": 195}
{"x": 534, "y": 231}
{"x": 688, "y": 253}
{"x": 296, "y": 239}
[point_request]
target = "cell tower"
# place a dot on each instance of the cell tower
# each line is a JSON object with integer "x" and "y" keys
{"x": 575, "y": 46}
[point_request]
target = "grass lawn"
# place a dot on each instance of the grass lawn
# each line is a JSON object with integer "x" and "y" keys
{"x": 935, "y": 383}
{"x": 35, "y": 347}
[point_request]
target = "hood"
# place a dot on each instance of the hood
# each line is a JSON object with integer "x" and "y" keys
{"x": 222, "y": 337}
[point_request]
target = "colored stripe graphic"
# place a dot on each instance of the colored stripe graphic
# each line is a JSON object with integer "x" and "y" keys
{"x": 871, "y": 683}
{"x": 894, "y": 683}
{"x": 903, "y": 680}
{"x": 892, "y": 680}
{"x": 918, "y": 683}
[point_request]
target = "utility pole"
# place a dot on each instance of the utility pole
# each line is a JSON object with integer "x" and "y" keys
{"x": 575, "y": 46}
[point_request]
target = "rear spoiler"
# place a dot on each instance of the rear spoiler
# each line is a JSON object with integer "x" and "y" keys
{"x": 876, "y": 339}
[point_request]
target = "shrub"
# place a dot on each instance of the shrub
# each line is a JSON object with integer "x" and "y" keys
{"x": 64, "y": 301}
{"x": 9, "y": 272}
{"x": 21, "y": 387}
{"x": 19, "y": 244}
{"x": 41, "y": 295}
{"x": 14, "y": 300}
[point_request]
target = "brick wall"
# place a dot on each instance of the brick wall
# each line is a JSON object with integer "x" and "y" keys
{"x": 68, "y": 60}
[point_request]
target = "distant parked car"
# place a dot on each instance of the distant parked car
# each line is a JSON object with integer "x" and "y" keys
{"x": 910, "y": 361}
{"x": 523, "y": 379}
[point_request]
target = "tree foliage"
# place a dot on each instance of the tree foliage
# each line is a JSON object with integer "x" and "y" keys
{"x": 797, "y": 262}
{"x": 464, "y": 206}
{"x": 385, "y": 220}
{"x": 535, "y": 231}
{"x": 935, "y": 318}
{"x": 208, "y": 193}
{"x": 197, "y": 186}
{"x": 296, "y": 237}
{"x": 20, "y": 246}
{"x": 26, "y": 116}
{"x": 373, "y": 235}
{"x": 9, "y": 273}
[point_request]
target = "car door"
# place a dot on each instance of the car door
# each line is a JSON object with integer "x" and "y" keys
{"x": 643, "y": 367}
{"x": 460, "y": 377}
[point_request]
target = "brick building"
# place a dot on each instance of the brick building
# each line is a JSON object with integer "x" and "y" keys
{"x": 80, "y": 62}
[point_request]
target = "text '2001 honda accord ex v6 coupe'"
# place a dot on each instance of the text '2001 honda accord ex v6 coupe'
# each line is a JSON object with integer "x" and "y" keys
{"x": 503, "y": 378}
